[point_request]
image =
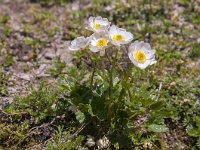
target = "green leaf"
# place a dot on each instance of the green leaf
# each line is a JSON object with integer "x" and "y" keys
{"x": 4, "y": 19}
{"x": 156, "y": 105}
{"x": 28, "y": 41}
{"x": 80, "y": 116}
{"x": 157, "y": 128}
{"x": 192, "y": 131}
{"x": 122, "y": 140}
{"x": 90, "y": 110}
{"x": 99, "y": 109}
{"x": 9, "y": 61}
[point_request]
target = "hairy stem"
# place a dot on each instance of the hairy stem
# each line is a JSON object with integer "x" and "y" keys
{"x": 110, "y": 75}
{"x": 93, "y": 73}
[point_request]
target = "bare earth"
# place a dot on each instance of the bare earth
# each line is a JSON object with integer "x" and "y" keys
{"x": 30, "y": 64}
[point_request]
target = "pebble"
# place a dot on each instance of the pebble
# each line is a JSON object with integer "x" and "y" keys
{"x": 49, "y": 55}
{"x": 24, "y": 76}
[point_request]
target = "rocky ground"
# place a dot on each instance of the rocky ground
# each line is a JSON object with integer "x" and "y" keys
{"x": 36, "y": 36}
{"x": 34, "y": 40}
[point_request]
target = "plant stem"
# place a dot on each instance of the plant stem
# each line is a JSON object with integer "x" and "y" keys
{"x": 108, "y": 57}
{"x": 126, "y": 79}
{"x": 93, "y": 73}
{"x": 110, "y": 75}
{"x": 129, "y": 93}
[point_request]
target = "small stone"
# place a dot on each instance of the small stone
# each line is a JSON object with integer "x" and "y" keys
{"x": 65, "y": 56}
{"x": 5, "y": 101}
{"x": 49, "y": 55}
{"x": 24, "y": 76}
{"x": 90, "y": 142}
{"x": 41, "y": 71}
{"x": 173, "y": 83}
{"x": 102, "y": 143}
{"x": 25, "y": 58}
{"x": 186, "y": 100}
{"x": 147, "y": 145}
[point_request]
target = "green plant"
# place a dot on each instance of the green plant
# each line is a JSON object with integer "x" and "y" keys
{"x": 63, "y": 140}
{"x": 51, "y": 2}
{"x": 33, "y": 43}
{"x": 4, "y": 19}
{"x": 109, "y": 102}
{"x": 195, "y": 53}
{"x": 42, "y": 103}
{"x": 3, "y": 82}
{"x": 58, "y": 67}
{"x": 8, "y": 62}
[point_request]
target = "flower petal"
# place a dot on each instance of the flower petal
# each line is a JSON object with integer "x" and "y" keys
{"x": 79, "y": 43}
{"x": 73, "y": 48}
{"x": 143, "y": 66}
{"x": 150, "y": 54}
{"x": 93, "y": 48}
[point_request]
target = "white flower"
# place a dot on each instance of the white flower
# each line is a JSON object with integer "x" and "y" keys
{"x": 141, "y": 54}
{"x": 79, "y": 43}
{"x": 98, "y": 43}
{"x": 119, "y": 36}
{"x": 98, "y": 24}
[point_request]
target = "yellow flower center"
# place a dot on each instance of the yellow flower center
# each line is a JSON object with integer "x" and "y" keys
{"x": 102, "y": 42}
{"x": 140, "y": 57}
{"x": 118, "y": 37}
{"x": 96, "y": 26}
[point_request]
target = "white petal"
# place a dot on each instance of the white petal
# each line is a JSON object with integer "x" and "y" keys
{"x": 121, "y": 31}
{"x": 128, "y": 36}
{"x": 91, "y": 37}
{"x": 147, "y": 46}
{"x": 104, "y": 32}
{"x": 94, "y": 39}
{"x": 143, "y": 66}
{"x": 150, "y": 54}
{"x": 93, "y": 48}
{"x": 115, "y": 43}
{"x": 82, "y": 42}
{"x": 122, "y": 42}
{"x": 78, "y": 43}
{"x": 133, "y": 45}
{"x": 112, "y": 31}
{"x": 88, "y": 40}
{"x": 94, "y": 42}
{"x": 98, "y": 18}
{"x": 73, "y": 48}
{"x": 153, "y": 62}
{"x": 132, "y": 58}
{"x": 91, "y": 21}
{"x": 102, "y": 22}
{"x": 138, "y": 46}
{"x": 80, "y": 39}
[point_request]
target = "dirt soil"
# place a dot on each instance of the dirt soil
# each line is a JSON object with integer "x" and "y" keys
{"x": 29, "y": 21}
